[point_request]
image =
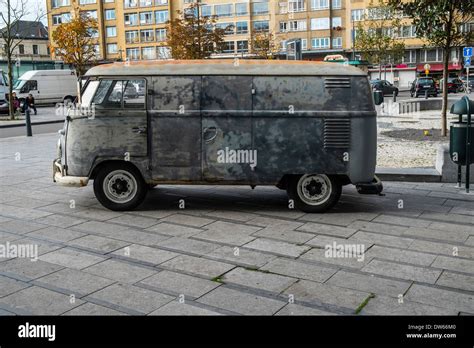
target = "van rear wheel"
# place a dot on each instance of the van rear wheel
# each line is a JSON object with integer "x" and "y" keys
{"x": 119, "y": 187}
{"x": 314, "y": 193}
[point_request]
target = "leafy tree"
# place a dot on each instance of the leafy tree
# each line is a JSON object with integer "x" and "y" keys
{"x": 441, "y": 23}
{"x": 74, "y": 41}
{"x": 193, "y": 36}
{"x": 14, "y": 11}
{"x": 375, "y": 36}
{"x": 264, "y": 45}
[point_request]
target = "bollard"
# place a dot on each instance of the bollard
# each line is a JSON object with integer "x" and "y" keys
{"x": 29, "y": 132}
{"x": 394, "y": 96}
{"x": 426, "y": 94}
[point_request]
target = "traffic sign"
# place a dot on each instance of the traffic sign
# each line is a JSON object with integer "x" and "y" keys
{"x": 467, "y": 52}
{"x": 467, "y": 61}
{"x": 427, "y": 67}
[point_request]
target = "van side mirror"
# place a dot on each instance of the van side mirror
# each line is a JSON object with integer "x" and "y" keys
{"x": 378, "y": 97}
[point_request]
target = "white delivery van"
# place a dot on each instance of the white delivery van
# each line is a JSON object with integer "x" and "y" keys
{"x": 47, "y": 86}
{"x": 3, "y": 87}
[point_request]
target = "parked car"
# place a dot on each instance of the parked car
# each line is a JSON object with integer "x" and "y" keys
{"x": 47, "y": 86}
{"x": 455, "y": 85}
{"x": 208, "y": 121}
{"x": 383, "y": 85}
{"x": 423, "y": 84}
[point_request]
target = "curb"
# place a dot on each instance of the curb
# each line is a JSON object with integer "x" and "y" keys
{"x": 408, "y": 174}
{"x": 32, "y": 123}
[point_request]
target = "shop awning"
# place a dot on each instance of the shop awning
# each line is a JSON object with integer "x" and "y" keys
{"x": 436, "y": 67}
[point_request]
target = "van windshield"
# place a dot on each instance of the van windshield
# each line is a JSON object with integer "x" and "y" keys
{"x": 19, "y": 84}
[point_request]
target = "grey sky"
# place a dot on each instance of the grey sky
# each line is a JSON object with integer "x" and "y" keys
{"x": 32, "y": 8}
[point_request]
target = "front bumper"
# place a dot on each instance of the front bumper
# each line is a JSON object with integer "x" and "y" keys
{"x": 61, "y": 178}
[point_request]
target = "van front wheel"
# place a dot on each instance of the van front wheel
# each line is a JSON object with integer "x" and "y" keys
{"x": 314, "y": 193}
{"x": 119, "y": 187}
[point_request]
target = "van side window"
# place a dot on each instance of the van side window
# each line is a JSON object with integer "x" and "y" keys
{"x": 117, "y": 94}
{"x": 33, "y": 85}
{"x": 134, "y": 94}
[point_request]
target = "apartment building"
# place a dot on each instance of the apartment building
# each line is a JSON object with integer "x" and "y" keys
{"x": 134, "y": 29}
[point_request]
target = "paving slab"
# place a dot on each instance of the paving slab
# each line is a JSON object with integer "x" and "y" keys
{"x": 197, "y": 266}
{"x": 120, "y": 271}
{"x": 402, "y": 271}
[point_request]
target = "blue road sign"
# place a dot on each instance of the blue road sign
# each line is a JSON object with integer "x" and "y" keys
{"x": 467, "y": 61}
{"x": 467, "y": 52}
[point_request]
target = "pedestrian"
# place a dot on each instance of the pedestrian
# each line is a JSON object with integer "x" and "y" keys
{"x": 30, "y": 103}
{"x": 16, "y": 103}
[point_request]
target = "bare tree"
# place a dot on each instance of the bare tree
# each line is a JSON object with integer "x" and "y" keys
{"x": 14, "y": 11}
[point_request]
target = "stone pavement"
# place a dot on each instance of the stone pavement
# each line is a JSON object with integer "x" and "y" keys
{"x": 232, "y": 250}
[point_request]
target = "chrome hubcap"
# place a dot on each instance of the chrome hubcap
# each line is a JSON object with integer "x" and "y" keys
{"x": 120, "y": 186}
{"x": 314, "y": 189}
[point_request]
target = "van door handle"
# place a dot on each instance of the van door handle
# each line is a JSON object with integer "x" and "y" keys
{"x": 139, "y": 130}
{"x": 207, "y": 135}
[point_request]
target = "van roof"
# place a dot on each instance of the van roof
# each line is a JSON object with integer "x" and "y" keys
{"x": 37, "y": 73}
{"x": 224, "y": 67}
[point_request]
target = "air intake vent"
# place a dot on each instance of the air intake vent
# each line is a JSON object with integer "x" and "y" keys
{"x": 337, "y": 133}
{"x": 337, "y": 82}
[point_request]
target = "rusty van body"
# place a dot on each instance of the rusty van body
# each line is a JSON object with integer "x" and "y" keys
{"x": 306, "y": 127}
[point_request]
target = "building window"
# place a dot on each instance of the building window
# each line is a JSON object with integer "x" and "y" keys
{"x": 132, "y": 36}
{"x": 161, "y": 16}
{"x": 148, "y": 53}
{"x": 21, "y": 49}
{"x": 109, "y": 15}
{"x": 297, "y": 25}
{"x": 60, "y": 3}
{"x": 131, "y": 19}
{"x": 261, "y": 26}
{"x": 337, "y": 42}
{"x": 146, "y": 3}
{"x": 112, "y": 48}
{"x": 146, "y": 17}
{"x": 241, "y": 9}
{"x": 133, "y": 53}
{"x": 304, "y": 44}
{"x": 409, "y": 56}
{"x": 163, "y": 52}
{"x": 161, "y": 2}
{"x": 320, "y": 42}
{"x": 283, "y": 27}
{"x": 61, "y": 18}
{"x": 259, "y": 8}
{"x": 111, "y": 31}
{"x": 432, "y": 55}
{"x": 242, "y": 46}
{"x": 90, "y": 14}
{"x": 130, "y": 3}
{"x": 229, "y": 47}
{"x": 223, "y": 10}
{"x": 206, "y": 11}
{"x": 296, "y": 5}
{"x": 336, "y": 22}
{"x": 319, "y": 4}
{"x": 319, "y": 23}
{"x": 86, "y": 2}
{"x": 336, "y": 4}
{"x": 161, "y": 34}
{"x": 357, "y": 15}
{"x": 242, "y": 27}
{"x": 147, "y": 35}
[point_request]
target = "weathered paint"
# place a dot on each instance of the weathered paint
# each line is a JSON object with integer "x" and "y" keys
{"x": 322, "y": 122}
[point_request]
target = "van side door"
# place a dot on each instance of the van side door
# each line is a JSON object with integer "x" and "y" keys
{"x": 175, "y": 120}
{"x": 226, "y": 108}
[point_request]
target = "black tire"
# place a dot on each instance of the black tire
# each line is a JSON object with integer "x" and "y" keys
{"x": 314, "y": 184}
{"x": 110, "y": 182}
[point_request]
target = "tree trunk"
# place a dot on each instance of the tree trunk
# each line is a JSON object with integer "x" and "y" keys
{"x": 444, "y": 122}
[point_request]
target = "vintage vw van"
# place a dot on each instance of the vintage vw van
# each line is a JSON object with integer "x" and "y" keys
{"x": 306, "y": 127}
